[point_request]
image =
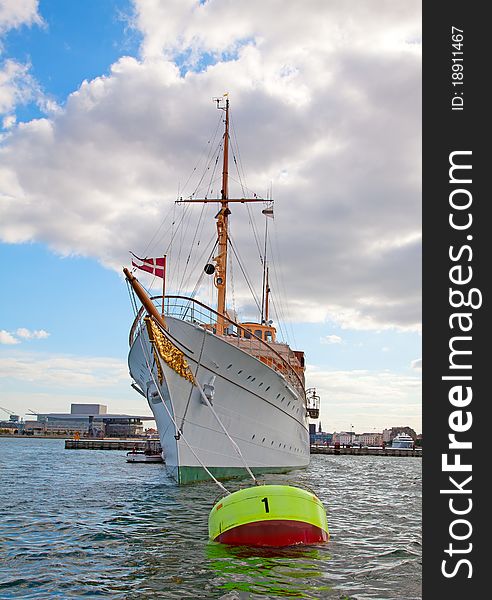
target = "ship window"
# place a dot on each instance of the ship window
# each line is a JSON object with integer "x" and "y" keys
{"x": 247, "y": 334}
{"x": 253, "y": 436}
{"x": 268, "y": 336}
{"x": 260, "y": 384}
{"x": 262, "y": 440}
{"x": 258, "y": 333}
{"x": 266, "y": 390}
{"x": 253, "y": 379}
{"x": 229, "y": 366}
{"x": 288, "y": 403}
{"x": 239, "y": 372}
{"x": 278, "y": 396}
{"x": 271, "y": 443}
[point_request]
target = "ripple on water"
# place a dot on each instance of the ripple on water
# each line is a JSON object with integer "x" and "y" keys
{"x": 88, "y": 524}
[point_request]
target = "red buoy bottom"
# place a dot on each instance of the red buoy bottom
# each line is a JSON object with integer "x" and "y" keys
{"x": 273, "y": 533}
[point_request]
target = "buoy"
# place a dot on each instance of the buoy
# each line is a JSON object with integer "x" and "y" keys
{"x": 269, "y": 515}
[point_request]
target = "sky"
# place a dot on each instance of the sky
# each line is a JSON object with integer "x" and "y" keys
{"x": 106, "y": 118}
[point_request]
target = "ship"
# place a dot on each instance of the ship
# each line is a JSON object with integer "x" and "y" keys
{"x": 403, "y": 441}
{"x": 227, "y": 395}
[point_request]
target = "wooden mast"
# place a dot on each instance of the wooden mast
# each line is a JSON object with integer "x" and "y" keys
{"x": 222, "y": 229}
{"x": 144, "y": 299}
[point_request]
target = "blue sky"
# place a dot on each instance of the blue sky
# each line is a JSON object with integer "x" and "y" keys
{"x": 86, "y": 170}
{"x": 78, "y": 40}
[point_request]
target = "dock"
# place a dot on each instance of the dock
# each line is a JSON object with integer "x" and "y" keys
{"x": 110, "y": 444}
{"x": 355, "y": 451}
{"x": 139, "y": 444}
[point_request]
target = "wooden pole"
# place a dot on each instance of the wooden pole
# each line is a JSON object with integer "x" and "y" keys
{"x": 144, "y": 298}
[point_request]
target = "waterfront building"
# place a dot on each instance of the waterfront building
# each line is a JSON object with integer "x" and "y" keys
{"x": 322, "y": 439}
{"x": 344, "y": 438}
{"x": 88, "y": 419}
{"x": 369, "y": 439}
{"x": 319, "y": 437}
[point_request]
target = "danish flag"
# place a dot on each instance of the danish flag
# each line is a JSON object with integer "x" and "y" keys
{"x": 156, "y": 266}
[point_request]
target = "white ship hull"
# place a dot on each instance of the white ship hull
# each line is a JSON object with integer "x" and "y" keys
{"x": 261, "y": 411}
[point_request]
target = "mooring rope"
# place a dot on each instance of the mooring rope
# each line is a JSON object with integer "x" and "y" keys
{"x": 209, "y": 404}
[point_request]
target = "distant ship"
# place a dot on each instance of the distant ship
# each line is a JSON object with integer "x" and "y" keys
{"x": 402, "y": 440}
{"x": 212, "y": 381}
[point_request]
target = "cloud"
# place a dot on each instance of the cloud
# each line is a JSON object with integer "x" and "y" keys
{"x": 7, "y": 338}
{"x": 417, "y": 364}
{"x": 38, "y": 334}
{"x": 64, "y": 371}
{"x": 23, "y": 333}
{"x": 331, "y": 339}
{"x": 17, "y": 84}
{"x": 15, "y": 13}
{"x": 49, "y": 383}
{"x": 366, "y": 398}
{"x": 325, "y": 103}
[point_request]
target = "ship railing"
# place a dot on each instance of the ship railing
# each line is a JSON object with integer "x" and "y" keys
{"x": 194, "y": 311}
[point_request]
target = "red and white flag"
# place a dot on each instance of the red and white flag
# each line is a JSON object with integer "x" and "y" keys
{"x": 156, "y": 266}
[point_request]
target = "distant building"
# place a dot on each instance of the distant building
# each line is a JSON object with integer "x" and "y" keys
{"x": 369, "y": 439}
{"x": 11, "y": 426}
{"x": 88, "y": 419}
{"x": 344, "y": 438}
{"x": 319, "y": 437}
{"x": 88, "y": 409}
{"x": 322, "y": 439}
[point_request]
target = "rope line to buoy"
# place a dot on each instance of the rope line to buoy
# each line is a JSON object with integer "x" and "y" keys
{"x": 175, "y": 424}
{"x": 234, "y": 445}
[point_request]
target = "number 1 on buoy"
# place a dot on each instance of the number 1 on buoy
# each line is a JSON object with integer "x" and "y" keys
{"x": 265, "y": 500}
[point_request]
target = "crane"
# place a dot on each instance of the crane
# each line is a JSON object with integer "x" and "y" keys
{"x": 12, "y": 416}
{"x": 11, "y": 413}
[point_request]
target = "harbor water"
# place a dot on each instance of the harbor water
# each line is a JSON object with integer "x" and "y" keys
{"x": 87, "y": 524}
